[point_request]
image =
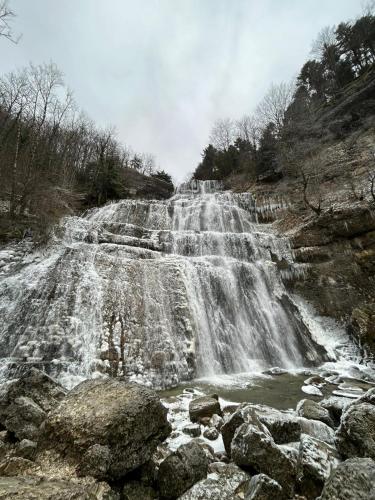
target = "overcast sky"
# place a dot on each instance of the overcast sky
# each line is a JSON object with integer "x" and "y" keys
{"x": 162, "y": 71}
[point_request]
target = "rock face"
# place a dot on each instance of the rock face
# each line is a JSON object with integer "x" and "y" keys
{"x": 183, "y": 468}
{"x": 24, "y": 418}
{"x": 354, "y": 479}
{"x": 225, "y": 482}
{"x": 356, "y": 435}
{"x": 316, "y": 460}
{"x": 109, "y": 425}
{"x": 254, "y": 448}
{"x": 202, "y": 407}
{"x": 314, "y": 411}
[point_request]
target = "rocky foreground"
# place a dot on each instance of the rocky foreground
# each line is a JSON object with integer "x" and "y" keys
{"x": 108, "y": 439}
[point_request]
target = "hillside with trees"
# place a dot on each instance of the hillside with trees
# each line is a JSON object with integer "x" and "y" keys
{"x": 294, "y": 117}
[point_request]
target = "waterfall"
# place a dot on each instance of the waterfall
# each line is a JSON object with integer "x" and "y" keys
{"x": 157, "y": 291}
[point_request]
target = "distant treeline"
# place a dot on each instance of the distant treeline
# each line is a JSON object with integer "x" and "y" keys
{"x": 53, "y": 159}
{"x": 260, "y": 145}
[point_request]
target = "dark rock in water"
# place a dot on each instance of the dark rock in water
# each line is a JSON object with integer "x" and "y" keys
{"x": 356, "y": 435}
{"x": 26, "y": 449}
{"x": 283, "y": 426}
{"x": 262, "y": 487}
{"x": 255, "y": 449}
{"x": 335, "y": 406}
{"x": 128, "y": 419}
{"x": 353, "y": 479}
{"x": 193, "y": 430}
{"x": 38, "y": 488}
{"x": 316, "y": 461}
{"x": 211, "y": 433}
{"x": 226, "y": 482}
{"x": 314, "y": 411}
{"x": 275, "y": 371}
{"x": 183, "y": 468}
{"x": 24, "y": 418}
{"x": 135, "y": 490}
{"x": 205, "y": 406}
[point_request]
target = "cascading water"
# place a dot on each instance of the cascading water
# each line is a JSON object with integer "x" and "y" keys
{"x": 158, "y": 291}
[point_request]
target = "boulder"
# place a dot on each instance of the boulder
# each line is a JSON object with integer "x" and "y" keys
{"x": 314, "y": 411}
{"x": 216, "y": 421}
{"x": 316, "y": 460}
{"x": 211, "y": 433}
{"x": 112, "y": 423}
{"x": 262, "y": 487}
{"x": 335, "y": 406}
{"x": 33, "y": 384}
{"x": 17, "y": 466}
{"x": 24, "y": 418}
{"x": 283, "y": 426}
{"x": 353, "y": 479}
{"x": 38, "y": 488}
{"x": 204, "y": 406}
{"x": 193, "y": 430}
{"x": 225, "y": 482}
{"x": 135, "y": 490}
{"x": 255, "y": 449}
{"x": 26, "y": 449}
{"x": 181, "y": 469}
{"x": 356, "y": 435}
{"x": 318, "y": 430}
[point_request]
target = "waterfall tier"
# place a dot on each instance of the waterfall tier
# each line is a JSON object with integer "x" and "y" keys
{"x": 158, "y": 291}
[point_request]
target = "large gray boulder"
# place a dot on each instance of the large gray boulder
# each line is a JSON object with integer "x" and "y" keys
{"x": 356, "y": 435}
{"x": 181, "y": 469}
{"x": 204, "y": 406}
{"x": 39, "y": 488}
{"x": 318, "y": 430}
{"x": 353, "y": 479}
{"x": 262, "y": 487}
{"x": 107, "y": 427}
{"x": 283, "y": 426}
{"x": 224, "y": 482}
{"x": 316, "y": 460}
{"x": 255, "y": 449}
{"x": 311, "y": 410}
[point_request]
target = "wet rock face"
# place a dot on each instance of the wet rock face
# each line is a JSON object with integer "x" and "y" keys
{"x": 107, "y": 426}
{"x": 255, "y": 449}
{"x": 353, "y": 479}
{"x": 356, "y": 435}
{"x": 183, "y": 468}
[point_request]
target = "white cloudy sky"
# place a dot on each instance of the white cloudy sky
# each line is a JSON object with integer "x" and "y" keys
{"x": 162, "y": 71}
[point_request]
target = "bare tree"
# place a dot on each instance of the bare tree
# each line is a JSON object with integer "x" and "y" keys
{"x": 248, "y": 129}
{"x": 317, "y": 207}
{"x": 6, "y": 17}
{"x": 325, "y": 38}
{"x": 222, "y": 134}
{"x": 273, "y": 106}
